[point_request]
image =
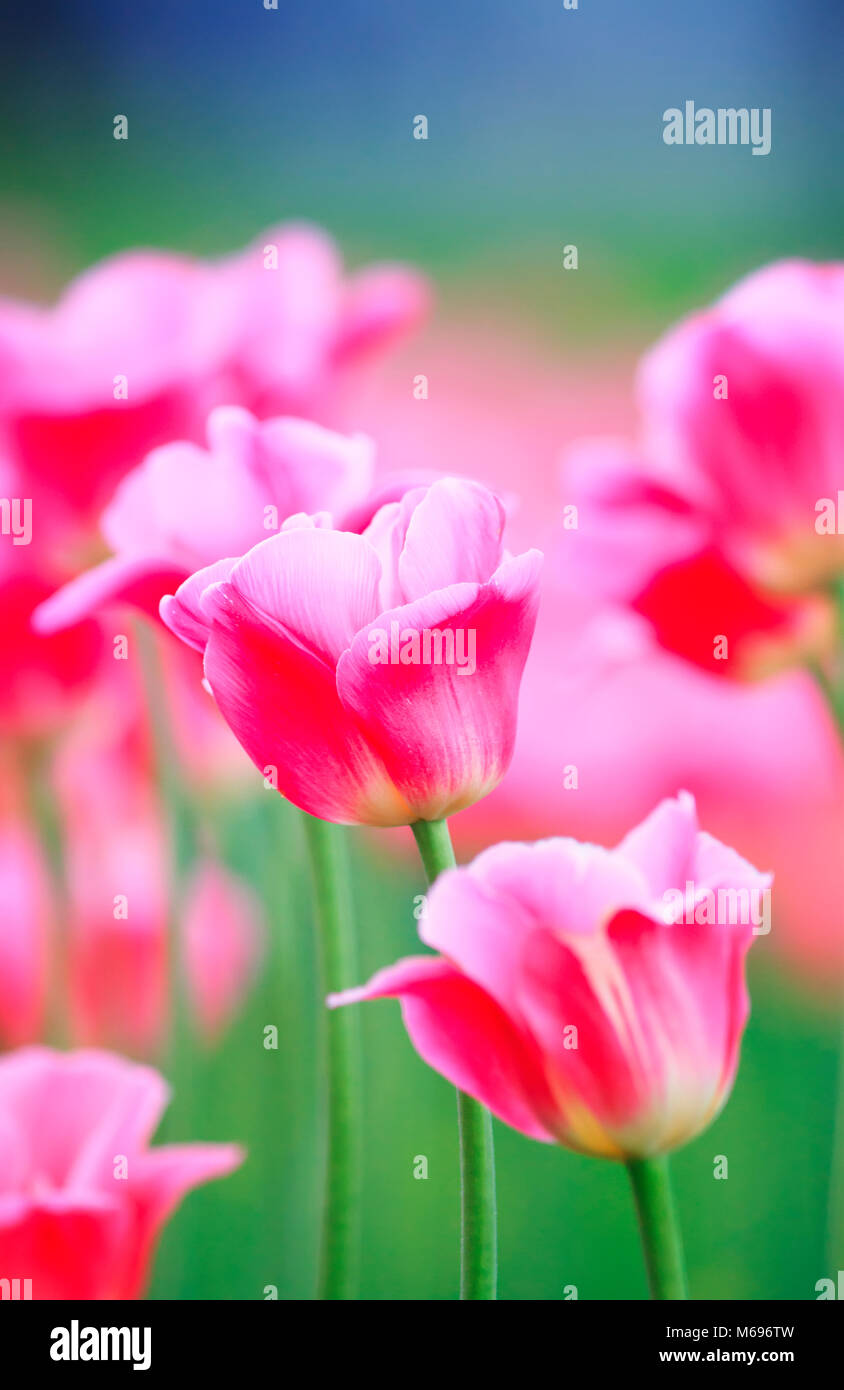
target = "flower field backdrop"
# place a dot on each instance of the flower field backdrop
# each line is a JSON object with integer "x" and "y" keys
{"x": 544, "y": 133}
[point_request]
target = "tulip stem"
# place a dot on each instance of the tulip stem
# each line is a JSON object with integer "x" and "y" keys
{"x": 340, "y": 1241}
{"x": 478, "y": 1213}
{"x": 659, "y": 1227}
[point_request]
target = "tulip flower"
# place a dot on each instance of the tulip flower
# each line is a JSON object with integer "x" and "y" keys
{"x": 140, "y": 347}
{"x": 373, "y": 679}
{"x": 724, "y": 529}
{"x": 83, "y": 1197}
{"x": 589, "y": 997}
{"x": 374, "y": 676}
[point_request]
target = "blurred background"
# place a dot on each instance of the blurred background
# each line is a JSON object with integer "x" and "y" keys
{"x": 545, "y": 130}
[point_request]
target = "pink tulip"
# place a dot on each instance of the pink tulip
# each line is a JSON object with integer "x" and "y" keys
{"x": 25, "y": 930}
{"x": 185, "y": 507}
{"x": 587, "y": 996}
{"x": 221, "y": 940}
{"x": 142, "y": 346}
{"x": 326, "y": 652}
{"x": 83, "y": 1198}
{"x": 728, "y": 522}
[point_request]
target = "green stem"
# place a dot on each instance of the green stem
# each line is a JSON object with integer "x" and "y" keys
{"x": 660, "y": 1230}
{"x": 340, "y": 1242}
{"x": 478, "y": 1213}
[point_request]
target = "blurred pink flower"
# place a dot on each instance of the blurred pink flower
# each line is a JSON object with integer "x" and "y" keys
{"x": 118, "y": 899}
{"x": 83, "y": 1198}
{"x": 725, "y": 524}
{"x": 221, "y": 933}
{"x": 43, "y": 676}
{"x": 142, "y": 346}
{"x": 121, "y": 907}
{"x": 25, "y": 934}
{"x": 352, "y": 733}
{"x": 185, "y": 506}
{"x": 589, "y": 996}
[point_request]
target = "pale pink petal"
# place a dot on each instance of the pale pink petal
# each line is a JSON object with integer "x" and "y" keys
{"x": 663, "y": 846}
{"x": 716, "y": 865}
{"x": 138, "y": 580}
{"x": 454, "y": 536}
{"x": 320, "y": 586}
{"x": 182, "y": 611}
{"x": 481, "y": 917}
{"x": 386, "y": 533}
{"x": 308, "y": 468}
{"x": 75, "y": 1107}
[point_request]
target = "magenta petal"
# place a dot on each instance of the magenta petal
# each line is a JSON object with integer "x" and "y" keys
{"x": 686, "y": 987}
{"x": 459, "y": 1030}
{"x": 602, "y": 1076}
{"x": 446, "y": 738}
{"x": 281, "y": 703}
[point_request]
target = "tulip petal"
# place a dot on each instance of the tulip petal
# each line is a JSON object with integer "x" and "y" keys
{"x": 459, "y": 1030}
{"x": 182, "y": 612}
{"x": 79, "y": 1108}
{"x": 663, "y": 845}
{"x": 600, "y": 1072}
{"x": 281, "y": 703}
{"x": 320, "y": 586}
{"x": 160, "y": 1179}
{"x": 308, "y": 468}
{"x": 138, "y": 580}
{"x": 446, "y": 738}
{"x": 513, "y": 890}
{"x": 73, "y": 1250}
{"x": 454, "y": 536}
{"x": 686, "y": 983}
